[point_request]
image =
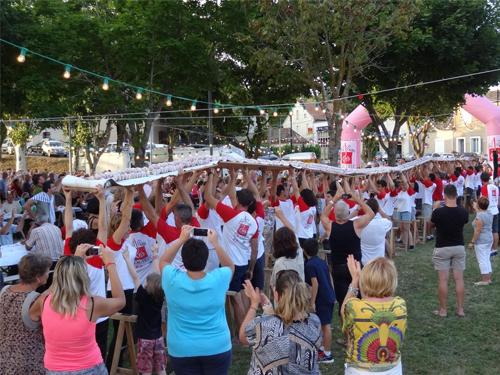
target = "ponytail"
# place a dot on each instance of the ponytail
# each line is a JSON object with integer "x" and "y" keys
{"x": 294, "y": 297}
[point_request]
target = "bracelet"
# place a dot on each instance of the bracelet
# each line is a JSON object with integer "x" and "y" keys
{"x": 352, "y": 290}
{"x": 109, "y": 264}
{"x": 155, "y": 256}
{"x": 253, "y": 308}
{"x": 472, "y": 243}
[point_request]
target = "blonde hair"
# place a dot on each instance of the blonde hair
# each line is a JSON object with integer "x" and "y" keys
{"x": 294, "y": 296}
{"x": 154, "y": 288}
{"x": 114, "y": 223}
{"x": 118, "y": 194}
{"x": 71, "y": 282}
{"x": 379, "y": 278}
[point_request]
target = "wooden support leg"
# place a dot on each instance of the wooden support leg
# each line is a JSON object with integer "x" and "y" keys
{"x": 118, "y": 348}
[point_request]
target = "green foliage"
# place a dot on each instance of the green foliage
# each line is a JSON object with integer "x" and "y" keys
{"x": 20, "y": 133}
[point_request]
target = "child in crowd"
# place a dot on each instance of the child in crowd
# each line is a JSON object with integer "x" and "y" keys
{"x": 322, "y": 295}
{"x": 150, "y": 344}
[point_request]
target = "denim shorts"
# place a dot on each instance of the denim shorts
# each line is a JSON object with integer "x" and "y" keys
{"x": 403, "y": 216}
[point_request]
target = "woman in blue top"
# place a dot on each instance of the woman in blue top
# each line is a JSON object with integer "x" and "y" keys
{"x": 198, "y": 337}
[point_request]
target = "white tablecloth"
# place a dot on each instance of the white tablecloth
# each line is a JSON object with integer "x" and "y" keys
{"x": 12, "y": 254}
{"x": 7, "y": 217}
{"x": 75, "y": 209}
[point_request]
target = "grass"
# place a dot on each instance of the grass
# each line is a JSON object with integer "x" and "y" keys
{"x": 43, "y": 163}
{"x": 433, "y": 345}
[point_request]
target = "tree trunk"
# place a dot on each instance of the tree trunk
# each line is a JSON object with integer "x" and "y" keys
{"x": 20, "y": 157}
{"x": 391, "y": 153}
{"x": 170, "y": 146}
{"x": 76, "y": 153}
{"x": 334, "y": 135}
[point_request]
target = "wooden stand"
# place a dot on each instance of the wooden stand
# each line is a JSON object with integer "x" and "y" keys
{"x": 230, "y": 313}
{"x": 125, "y": 321}
{"x": 424, "y": 227}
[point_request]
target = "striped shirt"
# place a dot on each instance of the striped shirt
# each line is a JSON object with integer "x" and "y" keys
{"x": 47, "y": 241}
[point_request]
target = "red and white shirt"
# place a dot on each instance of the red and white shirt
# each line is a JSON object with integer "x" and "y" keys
{"x": 142, "y": 241}
{"x": 287, "y": 206}
{"x": 211, "y": 220}
{"x": 459, "y": 183}
{"x": 304, "y": 219}
{"x": 428, "y": 188}
{"x": 239, "y": 228}
{"x": 490, "y": 191}
{"x": 405, "y": 200}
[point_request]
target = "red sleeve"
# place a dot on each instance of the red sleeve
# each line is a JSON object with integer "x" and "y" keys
{"x": 63, "y": 232}
{"x": 410, "y": 191}
{"x": 427, "y": 183}
{"x": 320, "y": 189}
{"x": 381, "y": 195}
{"x": 164, "y": 213}
{"x": 332, "y": 215}
{"x": 302, "y": 205}
{"x": 194, "y": 222}
{"x": 350, "y": 203}
{"x": 484, "y": 191}
{"x": 113, "y": 245}
{"x": 138, "y": 206}
{"x": 67, "y": 250}
{"x": 469, "y": 172}
{"x": 453, "y": 178}
{"x": 166, "y": 231}
{"x": 412, "y": 179}
{"x": 259, "y": 211}
{"x": 149, "y": 230}
{"x": 293, "y": 199}
{"x": 256, "y": 234}
{"x": 203, "y": 212}
{"x": 394, "y": 193}
{"x": 226, "y": 212}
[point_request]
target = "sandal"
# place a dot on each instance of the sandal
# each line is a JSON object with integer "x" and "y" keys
{"x": 341, "y": 342}
{"x": 482, "y": 283}
{"x": 437, "y": 313}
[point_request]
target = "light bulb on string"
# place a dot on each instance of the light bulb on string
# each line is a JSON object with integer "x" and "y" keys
{"x": 317, "y": 107}
{"x": 290, "y": 111}
{"x": 67, "y": 73}
{"x": 105, "y": 85}
{"x": 138, "y": 96}
{"x": 275, "y": 113}
{"x": 216, "y": 109}
{"x": 22, "y": 55}
{"x": 376, "y": 138}
{"x": 261, "y": 111}
{"x": 193, "y": 105}
{"x": 347, "y": 124}
{"x": 168, "y": 102}
{"x": 355, "y": 130}
{"x": 324, "y": 110}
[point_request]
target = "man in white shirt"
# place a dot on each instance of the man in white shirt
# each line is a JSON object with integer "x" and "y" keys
{"x": 459, "y": 181}
{"x": 10, "y": 205}
{"x": 373, "y": 235}
{"x": 280, "y": 197}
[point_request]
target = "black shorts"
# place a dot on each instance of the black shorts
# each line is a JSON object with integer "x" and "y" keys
{"x": 239, "y": 277}
{"x": 324, "y": 312}
{"x": 258, "y": 273}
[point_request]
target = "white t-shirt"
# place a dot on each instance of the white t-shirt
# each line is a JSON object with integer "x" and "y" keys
{"x": 373, "y": 238}
{"x": 239, "y": 228}
{"x": 142, "y": 241}
{"x": 459, "y": 184}
{"x": 428, "y": 188}
{"x": 405, "y": 200}
{"x": 209, "y": 219}
{"x": 491, "y": 192}
{"x": 304, "y": 219}
{"x": 97, "y": 284}
{"x": 121, "y": 266}
{"x": 288, "y": 211}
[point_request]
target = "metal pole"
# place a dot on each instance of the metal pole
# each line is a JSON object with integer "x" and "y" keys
{"x": 70, "y": 147}
{"x": 210, "y": 130}
{"x": 291, "y": 134}
{"x": 151, "y": 144}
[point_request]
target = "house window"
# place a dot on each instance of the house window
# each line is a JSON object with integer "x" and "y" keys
{"x": 460, "y": 145}
{"x": 475, "y": 144}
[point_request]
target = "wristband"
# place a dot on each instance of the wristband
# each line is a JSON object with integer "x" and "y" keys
{"x": 253, "y": 308}
{"x": 155, "y": 256}
{"x": 352, "y": 290}
{"x": 472, "y": 243}
{"x": 109, "y": 264}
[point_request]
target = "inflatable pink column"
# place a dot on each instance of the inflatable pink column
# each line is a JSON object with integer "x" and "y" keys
{"x": 488, "y": 113}
{"x": 350, "y": 142}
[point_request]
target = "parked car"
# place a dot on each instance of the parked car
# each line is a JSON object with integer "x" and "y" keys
{"x": 5, "y": 144}
{"x": 35, "y": 149}
{"x": 437, "y": 155}
{"x": 126, "y": 147}
{"x": 448, "y": 155}
{"x": 427, "y": 155}
{"x": 469, "y": 155}
{"x": 410, "y": 157}
{"x": 10, "y": 148}
{"x": 54, "y": 148}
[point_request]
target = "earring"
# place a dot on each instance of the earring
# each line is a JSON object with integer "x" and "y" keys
{"x": 38, "y": 281}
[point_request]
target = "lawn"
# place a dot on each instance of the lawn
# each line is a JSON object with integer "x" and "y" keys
{"x": 432, "y": 345}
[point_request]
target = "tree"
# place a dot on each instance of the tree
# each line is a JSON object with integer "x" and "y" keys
{"x": 448, "y": 38}
{"x": 325, "y": 44}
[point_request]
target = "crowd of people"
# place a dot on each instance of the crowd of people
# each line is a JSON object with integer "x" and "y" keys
{"x": 170, "y": 251}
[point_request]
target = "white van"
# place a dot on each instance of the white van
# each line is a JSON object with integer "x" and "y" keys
{"x": 306, "y": 157}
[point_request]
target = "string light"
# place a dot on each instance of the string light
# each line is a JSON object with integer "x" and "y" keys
{"x": 261, "y": 111}
{"x": 138, "y": 96}
{"x": 105, "y": 85}
{"x": 193, "y": 105}
{"x": 317, "y": 107}
{"x": 324, "y": 110}
{"x": 355, "y": 129}
{"x": 275, "y": 113}
{"x": 216, "y": 109}
{"x": 168, "y": 102}
{"x": 67, "y": 73}
{"x": 22, "y": 55}
{"x": 290, "y": 111}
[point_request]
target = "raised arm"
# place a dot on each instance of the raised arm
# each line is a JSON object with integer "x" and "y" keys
{"x": 251, "y": 185}
{"x": 102, "y": 231}
{"x": 30, "y": 203}
{"x": 263, "y": 183}
{"x": 68, "y": 215}
{"x": 7, "y": 226}
{"x": 159, "y": 196}
{"x": 363, "y": 221}
{"x": 274, "y": 184}
{"x": 295, "y": 187}
{"x": 232, "y": 187}
{"x": 305, "y": 181}
{"x": 148, "y": 210}
{"x": 278, "y": 212}
{"x": 169, "y": 254}
{"x": 184, "y": 195}
{"x": 131, "y": 268}
{"x": 126, "y": 214}
{"x": 390, "y": 182}
{"x": 20, "y": 225}
{"x": 210, "y": 200}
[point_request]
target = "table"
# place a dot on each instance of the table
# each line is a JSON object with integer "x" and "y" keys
{"x": 12, "y": 254}
{"x": 75, "y": 209}
{"x": 7, "y": 217}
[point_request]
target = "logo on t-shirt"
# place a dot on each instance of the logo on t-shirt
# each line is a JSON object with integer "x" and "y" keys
{"x": 243, "y": 229}
{"x": 310, "y": 220}
{"x": 141, "y": 253}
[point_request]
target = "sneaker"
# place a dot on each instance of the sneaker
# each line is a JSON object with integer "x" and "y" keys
{"x": 431, "y": 237}
{"x": 493, "y": 253}
{"x": 411, "y": 247}
{"x": 399, "y": 240}
{"x": 325, "y": 358}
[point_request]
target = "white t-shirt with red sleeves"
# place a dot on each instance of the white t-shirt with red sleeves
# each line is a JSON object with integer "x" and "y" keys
{"x": 459, "y": 184}
{"x": 304, "y": 219}
{"x": 382, "y": 198}
{"x": 391, "y": 196}
{"x": 211, "y": 220}
{"x": 260, "y": 215}
{"x": 239, "y": 228}
{"x": 287, "y": 206}
{"x": 142, "y": 241}
{"x": 405, "y": 200}
{"x": 121, "y": 266}
{"x": 428, "y": 190}
{"x": 490, "y": 191}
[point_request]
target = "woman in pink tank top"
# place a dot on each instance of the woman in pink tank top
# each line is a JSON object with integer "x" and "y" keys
{"x": 69, "y": 314}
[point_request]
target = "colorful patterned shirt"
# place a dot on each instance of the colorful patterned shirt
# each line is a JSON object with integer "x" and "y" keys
{"x": 375, "y": 333}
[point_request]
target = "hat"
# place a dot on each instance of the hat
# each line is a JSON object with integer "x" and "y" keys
{"x": 369, "y": 164}
{"x": 79, "y": 224}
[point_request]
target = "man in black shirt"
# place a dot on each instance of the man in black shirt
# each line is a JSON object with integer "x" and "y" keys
{"x": 449, "y": 251}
